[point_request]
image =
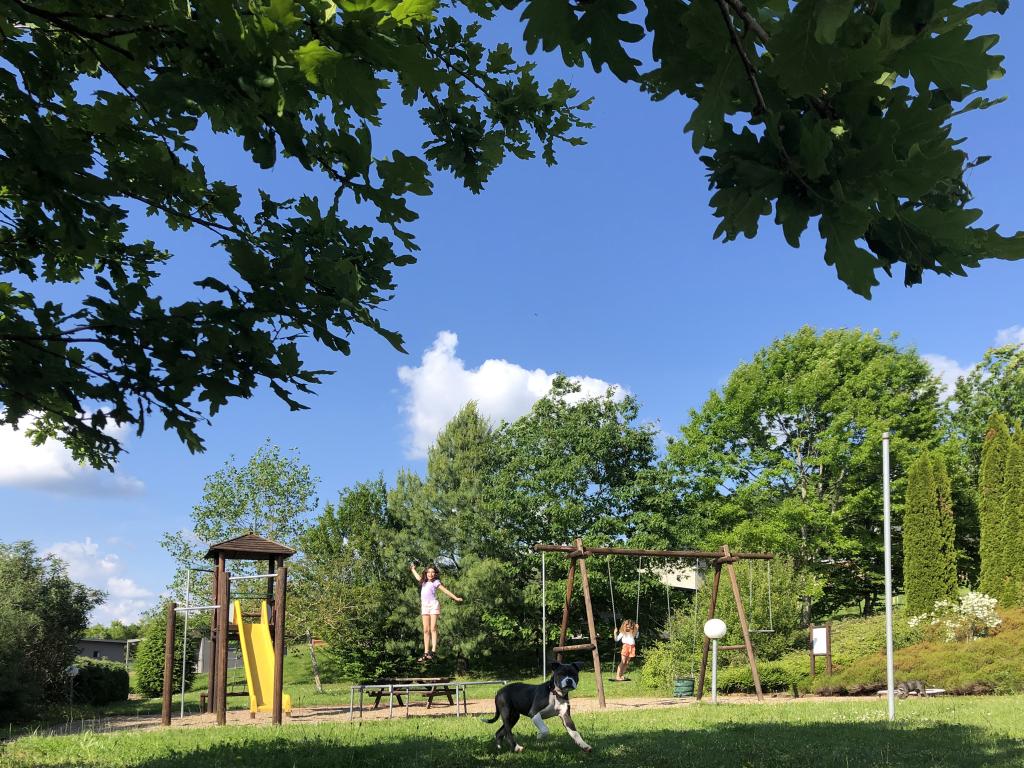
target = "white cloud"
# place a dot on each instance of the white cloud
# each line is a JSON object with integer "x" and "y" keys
{"x": 442, "y": 384}
{"x": 947, "y": 369}
{"x": 1012, "y": 335}
{"x": 51, "y": 467}
{"x": 126, "y": 600}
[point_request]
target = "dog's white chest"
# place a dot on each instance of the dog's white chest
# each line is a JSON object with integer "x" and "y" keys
{"x": 554, "y": 707}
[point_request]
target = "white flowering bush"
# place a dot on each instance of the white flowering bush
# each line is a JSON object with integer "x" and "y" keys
{"x": 970, "y": 617}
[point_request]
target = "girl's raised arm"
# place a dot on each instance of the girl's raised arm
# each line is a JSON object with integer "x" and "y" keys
{"x": 412, "y": 567}
{"x": 453, "y": 596}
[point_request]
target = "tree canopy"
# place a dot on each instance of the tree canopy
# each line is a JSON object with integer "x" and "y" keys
{"x": 786, "y": 456}
{"x": 835, "y": 112}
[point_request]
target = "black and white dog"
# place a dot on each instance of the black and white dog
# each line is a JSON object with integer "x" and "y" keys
{"x": 538, "y": 702}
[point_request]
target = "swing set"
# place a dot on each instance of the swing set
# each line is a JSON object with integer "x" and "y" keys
{"x": 724, "y": 558}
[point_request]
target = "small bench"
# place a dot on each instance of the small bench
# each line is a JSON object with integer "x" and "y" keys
{"x": 203, "y": 698}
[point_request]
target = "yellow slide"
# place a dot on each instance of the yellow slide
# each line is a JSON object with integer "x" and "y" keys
{"x": 258, "y": 658}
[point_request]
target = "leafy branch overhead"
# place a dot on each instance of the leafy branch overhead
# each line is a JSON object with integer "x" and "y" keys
{"x": 835, "y": 111}
{"x": 100, "y": 106}
{"x": 831, "y": 111}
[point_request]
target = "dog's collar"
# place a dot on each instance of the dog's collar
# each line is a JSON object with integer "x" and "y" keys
{"x": 559, "y": 693}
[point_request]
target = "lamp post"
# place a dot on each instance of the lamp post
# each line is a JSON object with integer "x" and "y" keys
{"x": 714, "y": 630}
{"x": 887, "y": 535}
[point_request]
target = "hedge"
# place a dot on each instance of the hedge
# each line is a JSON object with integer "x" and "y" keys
{"x": 100, "y": 681}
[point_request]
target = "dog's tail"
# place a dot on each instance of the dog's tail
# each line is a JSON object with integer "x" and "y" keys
{"x": 493, "y": 719}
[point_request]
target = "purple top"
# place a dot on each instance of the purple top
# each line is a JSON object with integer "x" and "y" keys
{"x": 428, "y": 591}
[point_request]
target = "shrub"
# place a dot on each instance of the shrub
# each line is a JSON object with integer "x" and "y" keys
{"x": 972, "y": 616}
{"x": 42, "y": 615}
{"x": 100, "y": 681}
{"x": 782, "y": 675}
{"x": 149, "y": 659}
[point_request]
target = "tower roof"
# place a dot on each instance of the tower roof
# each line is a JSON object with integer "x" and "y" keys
{"x": 249, "y": 546}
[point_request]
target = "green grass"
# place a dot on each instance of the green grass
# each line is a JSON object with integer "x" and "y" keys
{"x": 960, "y": 732}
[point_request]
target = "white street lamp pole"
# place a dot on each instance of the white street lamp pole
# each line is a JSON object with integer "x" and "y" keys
{"x": 714, "y": 630}
{"x": 887, "y": 535}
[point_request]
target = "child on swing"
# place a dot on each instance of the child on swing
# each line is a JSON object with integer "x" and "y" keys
{"x": 430, "y": 607}
{"x": 626, "y": 635}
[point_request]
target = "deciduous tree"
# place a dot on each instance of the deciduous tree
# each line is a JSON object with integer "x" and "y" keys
{"x": 834, "y": 112}
{"x": 787, "y": 455}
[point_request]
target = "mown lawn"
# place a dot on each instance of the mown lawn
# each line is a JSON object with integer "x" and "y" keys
{"x": 961, "y": 732}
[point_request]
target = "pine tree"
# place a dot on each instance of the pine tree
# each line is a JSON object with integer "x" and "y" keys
{"x": 929, "y": 559}
{"x": 1013, "y": 523}
{"x": 991, "y": 492}
{"x": 460, "y": 470}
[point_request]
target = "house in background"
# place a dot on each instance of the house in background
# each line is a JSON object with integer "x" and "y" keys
{"x": 111, "y": 650}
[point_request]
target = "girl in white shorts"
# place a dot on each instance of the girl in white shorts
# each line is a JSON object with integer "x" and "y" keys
{"x": 430, "y": 607}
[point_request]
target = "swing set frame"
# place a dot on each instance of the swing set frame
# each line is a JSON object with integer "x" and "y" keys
{"x": 723, "y": 558}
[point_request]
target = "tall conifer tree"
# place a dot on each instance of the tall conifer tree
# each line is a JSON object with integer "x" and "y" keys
{"x": 929, "y": 559}
{"x": 947, "y": 512}
{"x": 1013, "y": 523}
{"x": 991, "y": 492}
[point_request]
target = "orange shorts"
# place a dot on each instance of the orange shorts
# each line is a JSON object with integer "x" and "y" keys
{"x": 628, "y": 651}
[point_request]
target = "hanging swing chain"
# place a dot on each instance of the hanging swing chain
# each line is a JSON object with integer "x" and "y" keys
{"x": 639, "y": 563}
{"x": 611, "y": 590}
{"x": 543, "y": 614}
{"x": 771, "y": 621}
{"x": 693, "y": 656}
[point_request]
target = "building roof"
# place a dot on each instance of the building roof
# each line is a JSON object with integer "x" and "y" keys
{"x": 249, "y": 546}
{"x": 103, "y": 640}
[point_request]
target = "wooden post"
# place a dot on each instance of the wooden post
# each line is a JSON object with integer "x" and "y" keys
{"x": 280, "y": 587}
{"x": 271, "y": 568}
{"x": 211, "y": 665}
{"x": 743, "y": 625}
{"x": 811, "y": 640}
{"x": 165, "y": 710}
{"x": 223, "y": 596}
{"x": 707, "y": 643}
{"x": 592, "y": 629}
{"x": 828, "y": 648}
{"x": 565, "y": 608}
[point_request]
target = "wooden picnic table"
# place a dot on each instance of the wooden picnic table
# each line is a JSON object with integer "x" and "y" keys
{"x": 430, "y": 687}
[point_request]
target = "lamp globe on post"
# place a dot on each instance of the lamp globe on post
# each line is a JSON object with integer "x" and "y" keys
{"x": 714, "y": 630}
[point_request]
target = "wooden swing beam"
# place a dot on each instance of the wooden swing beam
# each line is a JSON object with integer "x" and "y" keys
{"x": 720, "y": 558}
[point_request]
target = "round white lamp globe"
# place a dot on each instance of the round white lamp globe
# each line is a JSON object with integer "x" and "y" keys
{"x": 714, "y": 629}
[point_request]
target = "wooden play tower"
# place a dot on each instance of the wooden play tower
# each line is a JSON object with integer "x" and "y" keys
{"x": 251, "y": 547}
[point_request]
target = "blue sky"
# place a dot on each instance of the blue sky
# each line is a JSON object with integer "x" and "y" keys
{"x": 602, "y": 266}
